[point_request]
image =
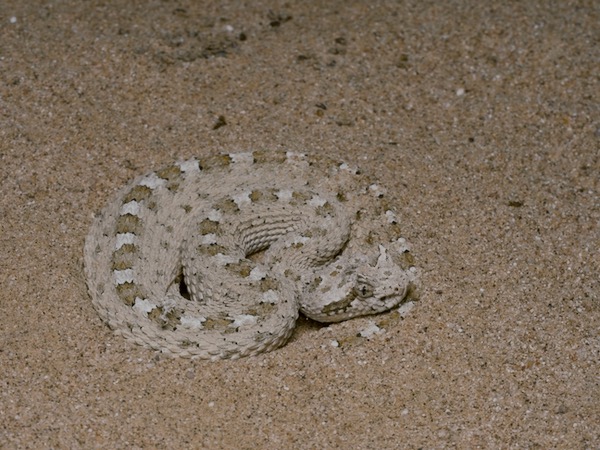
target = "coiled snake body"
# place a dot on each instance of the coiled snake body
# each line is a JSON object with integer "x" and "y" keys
{"x": 214, "y": 257}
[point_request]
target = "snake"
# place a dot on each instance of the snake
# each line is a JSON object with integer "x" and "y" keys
{"x": 215, "y": 257}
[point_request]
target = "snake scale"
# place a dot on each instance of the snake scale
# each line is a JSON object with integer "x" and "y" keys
{"x": 215, "y": 257}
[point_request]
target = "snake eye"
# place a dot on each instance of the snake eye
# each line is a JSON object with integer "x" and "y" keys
{"x": 363, "y": 290}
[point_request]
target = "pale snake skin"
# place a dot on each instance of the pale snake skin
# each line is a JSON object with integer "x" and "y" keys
{"x": 214, "y": 257}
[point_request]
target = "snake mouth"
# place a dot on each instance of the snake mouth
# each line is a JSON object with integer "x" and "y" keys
{"x": 356, "y": 304}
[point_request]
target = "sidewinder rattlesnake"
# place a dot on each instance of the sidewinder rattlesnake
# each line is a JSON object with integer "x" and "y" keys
{"x": 214, "y": 257}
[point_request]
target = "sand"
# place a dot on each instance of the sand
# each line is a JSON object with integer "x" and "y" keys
{"x": 481, "y": 119}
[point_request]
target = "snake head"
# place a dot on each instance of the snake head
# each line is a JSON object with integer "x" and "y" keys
{"x": 364, "y": 287}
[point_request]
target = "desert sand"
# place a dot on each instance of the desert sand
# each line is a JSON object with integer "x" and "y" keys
{"x": 480, "y": 118}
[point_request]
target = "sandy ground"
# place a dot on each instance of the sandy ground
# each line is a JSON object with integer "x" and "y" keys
{"x": 480, "y": 117}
